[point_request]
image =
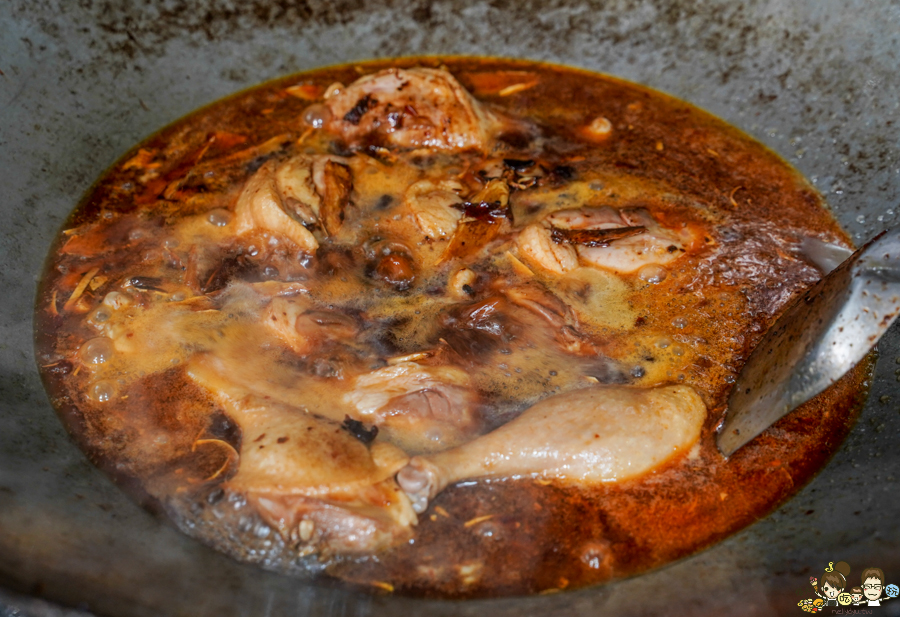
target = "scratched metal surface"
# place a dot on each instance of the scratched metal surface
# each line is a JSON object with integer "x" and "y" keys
{"x": 80, "y": 83}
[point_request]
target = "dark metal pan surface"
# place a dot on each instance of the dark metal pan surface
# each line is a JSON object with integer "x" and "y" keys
{"x": 80, "y": 83}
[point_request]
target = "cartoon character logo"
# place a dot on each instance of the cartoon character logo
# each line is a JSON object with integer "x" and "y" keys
{"x": 833, "y": 582}
{"x": 873, "y": 586}
{"x": 831, "y": 585}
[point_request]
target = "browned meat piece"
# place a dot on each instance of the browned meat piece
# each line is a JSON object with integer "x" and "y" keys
{"x": 411, "y": 108}
{"x": 303, "y": 328}
{"x": 475, "y": 332}
{"x": 635, "y": 238}
{"x": 260, "y": 207}
{"x": 432, "y": 204}
{"x": 338, "y": 184}
{"x": 422, "y": 408}
{"x": 482, "y": 222}
{"x": 557, "y": 314}
{"x": 593, "y": 237}
{"x": 296, "y": 197}
{"x": 315, "y": 482}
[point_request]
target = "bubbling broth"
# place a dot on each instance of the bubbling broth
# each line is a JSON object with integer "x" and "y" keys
{"x": 447, "y": 327}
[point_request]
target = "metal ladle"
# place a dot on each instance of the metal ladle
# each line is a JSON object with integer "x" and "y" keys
{"x": 816, "y": 341}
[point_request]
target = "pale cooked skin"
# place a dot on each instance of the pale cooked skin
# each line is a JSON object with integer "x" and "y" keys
{"x": 431, "y": 203}
{"x": 420, "y": 408}
{"x": 423, "y": 408}
{"x": 588, "y": 436}
{"x": 298, "y": 467}
{"x": 656, "y": 245}
{"x": 536, "y": 246}
{"x": 284, "y": 198}
{"x": 260, "y": 208}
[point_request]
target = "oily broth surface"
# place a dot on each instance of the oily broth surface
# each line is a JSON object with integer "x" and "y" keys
{"x": 142, "y": 421}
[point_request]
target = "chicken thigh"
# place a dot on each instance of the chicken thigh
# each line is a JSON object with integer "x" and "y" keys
{"x": 418, "y": 407}
{"x": 588, "y": 436}
{"x": 318, "y": 484}
{"x": 411, "y": 108}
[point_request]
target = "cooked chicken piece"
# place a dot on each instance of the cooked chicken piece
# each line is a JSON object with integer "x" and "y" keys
{"x": 422, "y": 408}
{"x": 148, "y": 336}
{"x": 410, "y": 108}
{"x": 303, "y": 191}
{"x": 631, "y": 240}
{"x": 316, "y": 188}
{"x": 302, "y": 327}
{"x": 260, "y": 208}
{"x": 337, "y": 184}
{"x": 557, "y": 314}
{"x": 309, "y": 478}
{"x": 541, "y": 302}
{"x": 538, "y": 248}
{"x": 476, "y": 333}
{"x": 432, "y": 204}
{"x": 281, "y": 317}
{"x": 419, "y": 408}
{"x": 294, "y": 178}
{"x": 589, "y": 436}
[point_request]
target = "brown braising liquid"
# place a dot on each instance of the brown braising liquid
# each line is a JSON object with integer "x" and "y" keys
{"x": 154, "y": 229}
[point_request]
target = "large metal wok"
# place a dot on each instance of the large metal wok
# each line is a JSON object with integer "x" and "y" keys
{"x": 814, "y": 79}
